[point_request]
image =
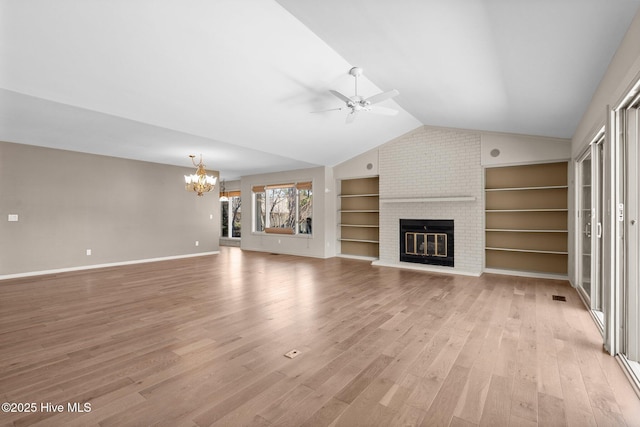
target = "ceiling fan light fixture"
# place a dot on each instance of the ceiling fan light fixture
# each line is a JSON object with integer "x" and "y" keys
{"x": 356, "y": 71}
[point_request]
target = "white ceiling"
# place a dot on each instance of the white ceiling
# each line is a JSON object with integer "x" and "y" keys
{"x": 237, "y": 81}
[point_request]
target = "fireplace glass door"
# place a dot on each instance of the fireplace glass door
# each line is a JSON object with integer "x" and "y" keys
{"x": 427, "y": 241}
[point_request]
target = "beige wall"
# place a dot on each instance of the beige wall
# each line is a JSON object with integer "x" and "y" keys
{"x": 322, "y": 243}
{"x": 622, "y": 72}
{"x": 516, "y": 149}
{"x": 621, "y": 75}
{"x": 363, "y": 165}
{"x": 123, "y": 210}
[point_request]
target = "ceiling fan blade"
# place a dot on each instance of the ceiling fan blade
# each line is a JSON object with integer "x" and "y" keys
{"x": 345, "y": 98}
{"x": 376, "y": 109}
{"x": 351, "y": 117}
{"x": 331, "y": 109}
{"x": 381, "y": 97}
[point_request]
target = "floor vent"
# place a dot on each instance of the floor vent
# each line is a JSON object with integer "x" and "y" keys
{"x": 559, "y": 298}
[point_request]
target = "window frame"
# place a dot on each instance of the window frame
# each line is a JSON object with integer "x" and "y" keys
{"x": 230, "y": 196}
{"x": 260, "y": 194}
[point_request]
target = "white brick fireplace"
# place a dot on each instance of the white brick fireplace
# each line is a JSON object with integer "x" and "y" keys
{"x": 433, "y": 174}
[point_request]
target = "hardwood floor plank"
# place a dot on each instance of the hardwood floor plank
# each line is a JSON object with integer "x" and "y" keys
{"x": 351, "y": 391}
{"x": 233, "y": 402}
{"x": 280, "y": 404}
{"x": 515, "y": 421}
{"x": 327, "y": 414}
{"x": 551, "y": 411}
{"x": 366, "y": 409}
{"x": 408, "y": 416}
{"x": 524, "y": 400}
{"x": 302, "y": 411}
{"x": 459, "y": 422}
{"x": 282, "y": 393}
{"x": 441, "y": 410}
{"x": 473, "y": 396}
{"x": 200, "y": 341}
{"x": 497, "y": 407}
{"x": 576, "y": 398}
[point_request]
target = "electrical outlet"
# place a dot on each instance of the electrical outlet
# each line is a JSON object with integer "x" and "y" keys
{"x": 88, "y": 252}
{"x": 293, "y": 353}
{"x": 12, "y": 217}
{"x": 210, "y": 216}
{"x": 197, "y": 243}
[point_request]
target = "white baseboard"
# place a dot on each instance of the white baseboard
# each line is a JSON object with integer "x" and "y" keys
{"x": 360, "y": 257}
{"x": 94, "y": 266}
{"x": 428, "y": 268}
{"x": 526, "y": 274}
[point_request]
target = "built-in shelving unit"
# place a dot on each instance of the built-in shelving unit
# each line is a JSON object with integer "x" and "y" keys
{"x": 359, "y": 217}
{"x": 526, "y": 218}
{"x": 430, "y": 199}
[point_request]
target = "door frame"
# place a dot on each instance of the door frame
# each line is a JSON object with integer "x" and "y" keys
{"x": 593, "y": 302}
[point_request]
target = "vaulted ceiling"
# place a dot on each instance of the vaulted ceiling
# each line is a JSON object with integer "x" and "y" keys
{"x": 238, "y": 81}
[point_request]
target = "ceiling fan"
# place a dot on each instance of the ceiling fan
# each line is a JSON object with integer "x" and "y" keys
{"x": 356, "y": 103}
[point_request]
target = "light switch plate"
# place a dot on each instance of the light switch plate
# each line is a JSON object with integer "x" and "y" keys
{"x": 12, "y": 217}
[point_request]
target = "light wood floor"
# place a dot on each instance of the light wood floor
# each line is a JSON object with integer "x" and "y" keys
{"x": 200, "y": 342}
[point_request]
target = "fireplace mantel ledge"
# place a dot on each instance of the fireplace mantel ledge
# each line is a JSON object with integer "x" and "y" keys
{"x": 430, "y": 199}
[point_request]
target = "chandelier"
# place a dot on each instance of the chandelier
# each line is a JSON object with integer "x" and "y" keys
{"x": 199, "y": 182}
{"x": 224, "y": 196}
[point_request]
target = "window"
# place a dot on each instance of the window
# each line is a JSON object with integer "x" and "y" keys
{"x": 259, "y": 203}
{"x": 224, "y": 218}
{"x": 305, "y": 205}
{"x": 231, "y": 214}
{"x": 283, "y": 208}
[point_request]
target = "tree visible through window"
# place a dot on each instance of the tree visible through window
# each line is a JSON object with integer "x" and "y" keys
{"x": 305, "y": 208}
{"x": 260, "y": 219}
{"x": 236, "y": 216}
{"x": 283, "y": 208}
{"x": 231, "y": 213}
{"x": 224, "y": 218}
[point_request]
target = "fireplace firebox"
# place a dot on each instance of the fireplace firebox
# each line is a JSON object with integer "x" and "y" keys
{"x": 427, "y": 241}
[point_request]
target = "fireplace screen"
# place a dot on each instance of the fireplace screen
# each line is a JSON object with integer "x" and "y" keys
{"x": 427, "y": 241}
{"x": 429, "y": 244}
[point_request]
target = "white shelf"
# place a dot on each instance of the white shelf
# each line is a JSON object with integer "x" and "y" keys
{"x": 358, "y": 231}
{"x": 358, "y": 240}
{"x": 532, "y": 199}
{"x": 526, "y": 231}
{"x": 431, "y": 199}
{"x": 550, "y": 187}
{"x": 526, "y": 210}
{"x": 535, "y": 251}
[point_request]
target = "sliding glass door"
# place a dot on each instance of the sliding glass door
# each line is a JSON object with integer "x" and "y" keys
{"x": 631, "y": 288}
{"x": 590, "y": 228}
